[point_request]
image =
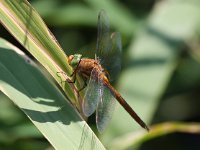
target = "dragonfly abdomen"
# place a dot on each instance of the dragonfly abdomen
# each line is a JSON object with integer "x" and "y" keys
{"x": 127, "y": 107}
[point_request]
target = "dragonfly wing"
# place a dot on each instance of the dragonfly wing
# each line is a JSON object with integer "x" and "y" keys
{"x": 103, "y": 35}
{"x": 105, "y": 109}
{"x": 113, "y": 58}
{"x": 108, "y": 47}
{"x": 92, "y": 95}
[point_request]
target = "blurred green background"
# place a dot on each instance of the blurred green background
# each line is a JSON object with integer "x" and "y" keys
{"x": 160, "y": 74}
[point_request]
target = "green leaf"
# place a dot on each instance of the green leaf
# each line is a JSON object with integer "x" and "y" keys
{"x": 24, "y": 23}
{"x": 43, "y": 102}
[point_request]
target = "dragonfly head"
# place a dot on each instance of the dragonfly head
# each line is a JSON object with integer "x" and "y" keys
{"x": 73, "y": 60}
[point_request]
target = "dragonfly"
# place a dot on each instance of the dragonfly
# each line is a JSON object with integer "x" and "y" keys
{"x": 100, "y": 95}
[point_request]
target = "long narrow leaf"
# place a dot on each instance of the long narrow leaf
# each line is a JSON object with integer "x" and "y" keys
{"x": 24, "y": 23}
{"x": 42, "y": 102}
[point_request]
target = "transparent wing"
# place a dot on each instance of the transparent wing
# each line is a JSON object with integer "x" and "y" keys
{"x": 105, "y": 109}
{"x": 113, "y": 58}
{"x": 108, "y": 47}
{"x": 92, "y": 95}
{"x": 103, "y": 35}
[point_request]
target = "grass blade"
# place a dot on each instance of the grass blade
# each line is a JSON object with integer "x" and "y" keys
{"x": 42, "y": 102}
{"x": 24, "y": 23}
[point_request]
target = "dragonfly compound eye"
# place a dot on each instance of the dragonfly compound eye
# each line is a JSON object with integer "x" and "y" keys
{"x": 73, "y": 60}
{"x": 70, "y": 58}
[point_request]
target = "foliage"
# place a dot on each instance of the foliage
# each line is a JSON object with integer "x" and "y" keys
{"x": 160, "y": 77}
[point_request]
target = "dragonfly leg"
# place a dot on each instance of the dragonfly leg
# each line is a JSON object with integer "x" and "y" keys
{"x": 74, "y": 73}
{"x": 61, "y": 72}
{"x": 74, "y": 78}
{"x": 84, "y": 85}
{"x": 73, "y": 81}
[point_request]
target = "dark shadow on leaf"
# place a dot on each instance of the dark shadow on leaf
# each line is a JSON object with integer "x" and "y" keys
{"x": 28, "y": 80}
{"x": 53, "y": 116}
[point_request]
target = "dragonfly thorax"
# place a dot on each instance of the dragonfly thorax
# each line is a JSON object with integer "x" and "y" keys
{"x": 86, "y": 66}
